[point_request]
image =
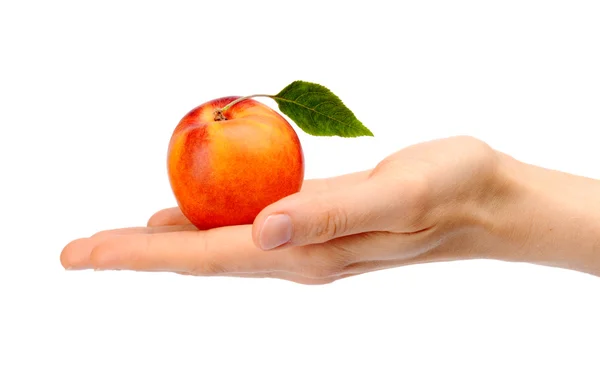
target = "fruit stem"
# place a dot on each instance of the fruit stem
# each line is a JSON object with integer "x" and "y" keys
{"x": 219, "y": 112}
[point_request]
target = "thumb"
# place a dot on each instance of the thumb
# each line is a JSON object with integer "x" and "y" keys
{"x": 312, "y": 218}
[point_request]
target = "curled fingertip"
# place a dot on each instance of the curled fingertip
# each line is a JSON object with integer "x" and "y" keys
{"x": 160, "y": 218}
{"x": 155, "y": 220}
{"x": 166, "y": 217}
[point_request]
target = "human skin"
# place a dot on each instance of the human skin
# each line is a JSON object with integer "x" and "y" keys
{"x": 443, "y": 200}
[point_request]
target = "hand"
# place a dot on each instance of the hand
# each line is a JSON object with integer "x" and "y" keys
{"x": 428, "y": 202}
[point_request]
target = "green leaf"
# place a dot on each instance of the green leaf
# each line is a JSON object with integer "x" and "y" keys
{"x": 319, "y": 112}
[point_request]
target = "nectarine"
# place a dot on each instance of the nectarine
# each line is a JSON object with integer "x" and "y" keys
{"x": 224, "y": 168}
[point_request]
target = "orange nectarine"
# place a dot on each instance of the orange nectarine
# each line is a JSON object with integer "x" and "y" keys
{"x": 224, "y": 168}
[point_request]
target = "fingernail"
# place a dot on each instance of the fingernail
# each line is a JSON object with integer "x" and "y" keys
{"x": 276, "y": 231}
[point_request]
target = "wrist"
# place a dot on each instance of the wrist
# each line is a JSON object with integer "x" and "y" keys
{"x": 541, "y": 216}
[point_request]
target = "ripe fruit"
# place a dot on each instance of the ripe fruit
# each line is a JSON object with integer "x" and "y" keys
{"x": 231, "y": 157}
{"x": 225, "y": 167}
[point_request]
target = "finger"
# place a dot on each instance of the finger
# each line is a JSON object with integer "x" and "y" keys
{"x": 211, "y": 252}
{"x": 146, "y": 230}
{"x": 282, "y": 275}
{"x": 167, "y": 217}
{"x": 374, "y": 204}
{"x": 76, "y": 254}
{"x": 174, "y": 216}
{"x": 355, "y": 255}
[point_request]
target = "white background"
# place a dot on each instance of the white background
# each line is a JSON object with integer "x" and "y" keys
{"x": 91, "y": 91}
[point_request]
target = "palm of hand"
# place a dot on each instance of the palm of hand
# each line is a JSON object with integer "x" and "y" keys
{"x": 417, "y": 205}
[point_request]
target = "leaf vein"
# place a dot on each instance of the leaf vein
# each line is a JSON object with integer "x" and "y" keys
{"x": 311, "y": 109}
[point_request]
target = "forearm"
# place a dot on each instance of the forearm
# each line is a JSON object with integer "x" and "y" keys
{"x": 546, "y": 217}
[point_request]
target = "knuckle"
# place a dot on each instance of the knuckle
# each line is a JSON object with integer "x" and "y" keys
{"x": 330, "y": 224}
{"x": 209, "y": 265}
